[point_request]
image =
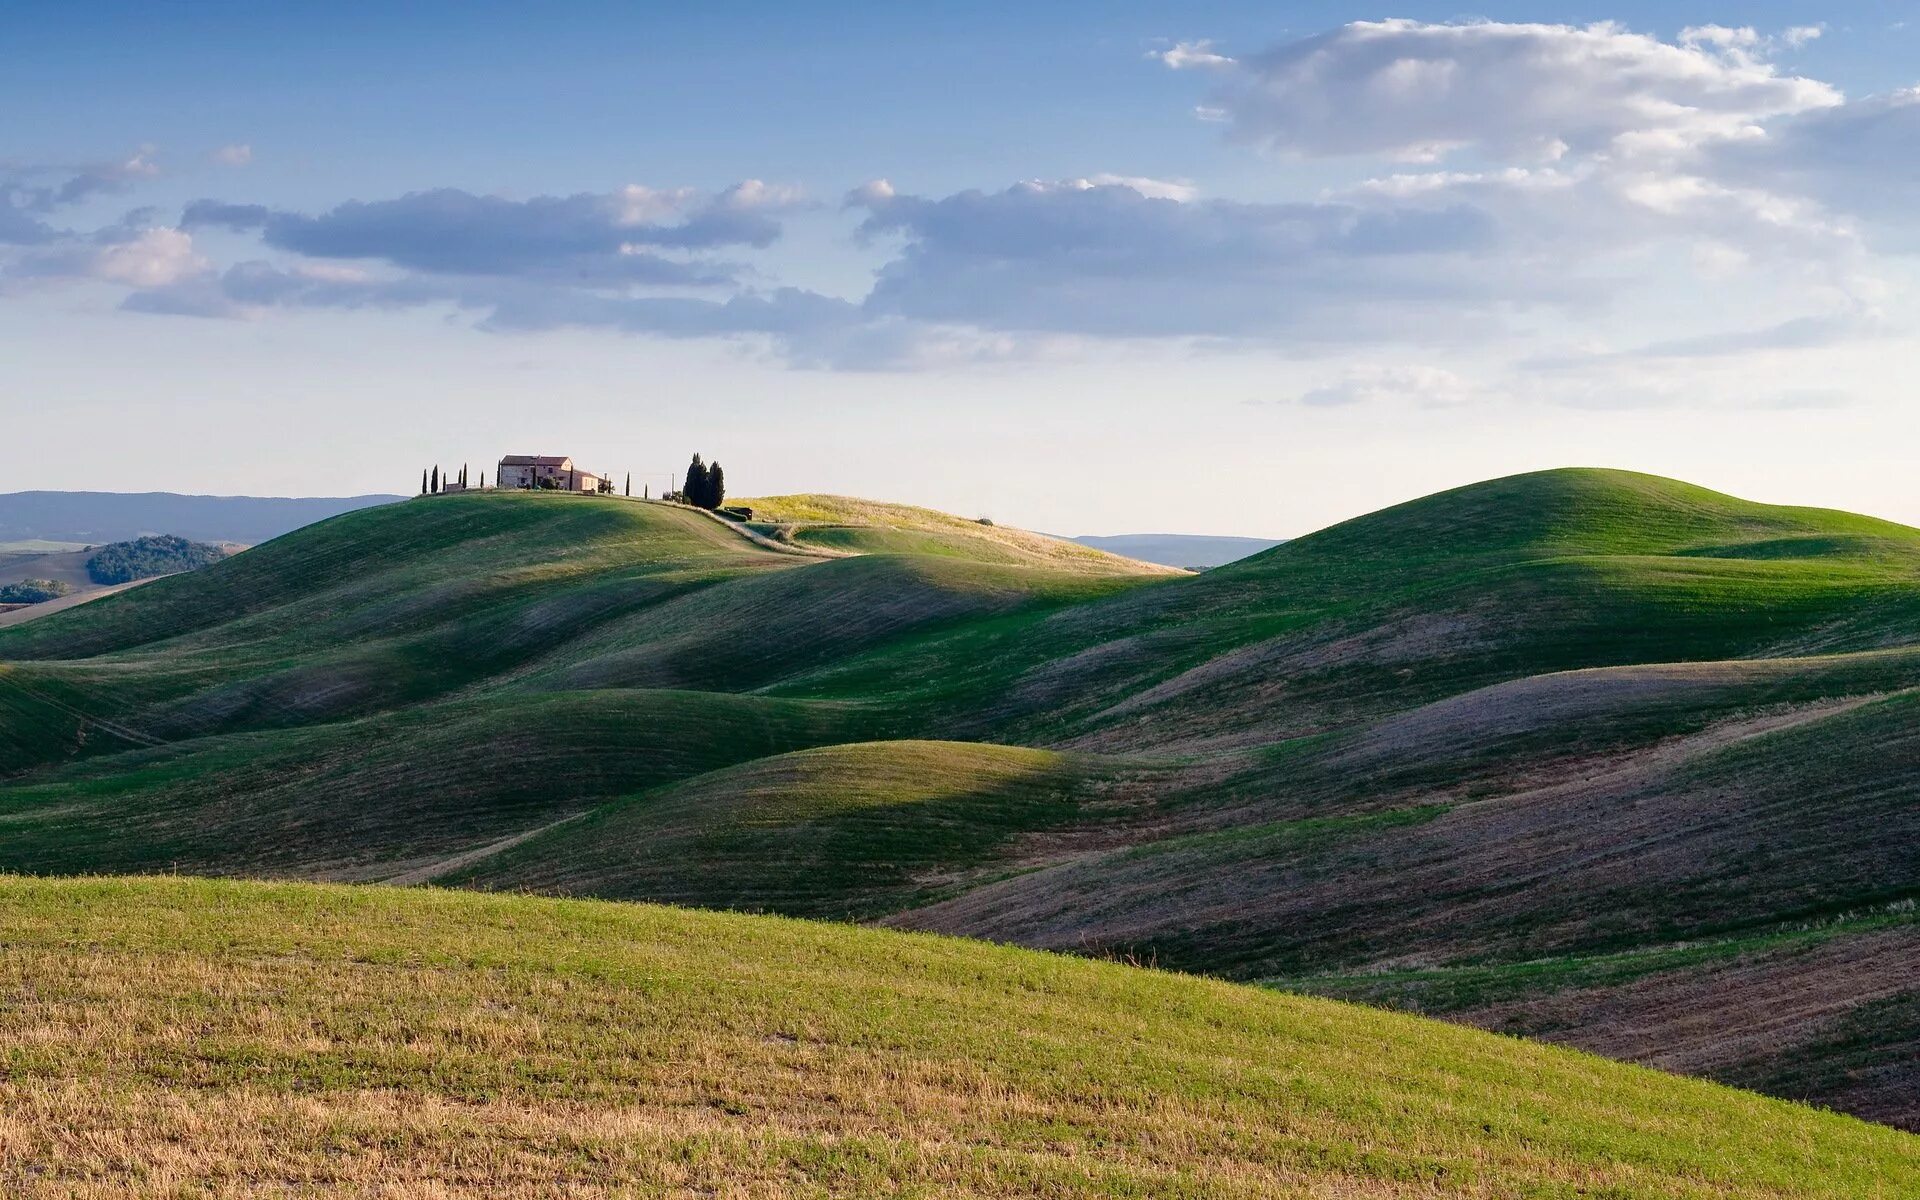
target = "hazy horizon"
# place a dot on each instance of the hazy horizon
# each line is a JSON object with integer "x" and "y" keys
{"x": 1217, "y": 268}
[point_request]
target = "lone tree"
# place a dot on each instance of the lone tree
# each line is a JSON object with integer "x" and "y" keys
{"x": 716, "y": 486}
{"x": 423, "y": 481}
{"x": 629, "y": 490}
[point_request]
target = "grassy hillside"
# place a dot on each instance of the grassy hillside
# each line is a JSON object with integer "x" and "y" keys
{"x": 385, "y": 795}
{"x": 850, "y": 525}
{"x": 1638, "y": 732}
{"x": 840, "y": 831}
{"x": 412, "y": 603}
{"x": 185, "y": 1037}
{"x": 1517, "y": 577}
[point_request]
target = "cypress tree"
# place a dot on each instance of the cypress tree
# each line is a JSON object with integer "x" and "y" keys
{"x": 695, "y": 488}
{"x": 423, "y": 481}
{"x": 436, "y": 479}
{"x": 716, "y": 485}
{"x": 629, "y": 483}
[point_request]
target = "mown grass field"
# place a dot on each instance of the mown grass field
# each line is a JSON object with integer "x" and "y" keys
{"x": 1489, "y": 753}
{"x": 183, "y": 1038}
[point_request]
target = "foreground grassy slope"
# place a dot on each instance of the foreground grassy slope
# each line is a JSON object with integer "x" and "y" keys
{"x": 175, "y": 1038}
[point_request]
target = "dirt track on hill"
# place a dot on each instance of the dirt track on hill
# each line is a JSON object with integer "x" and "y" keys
{"x": 443, "y": 866}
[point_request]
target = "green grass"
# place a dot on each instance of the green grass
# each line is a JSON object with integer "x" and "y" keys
{"x": 1529, "y": 719}
{"x": 1538, "y": 573}
{"x": 841, "y": 831}
{"x": 193, "y": 1038}
{"x": 847, "y": 525}
{"x": 369, "y": 798}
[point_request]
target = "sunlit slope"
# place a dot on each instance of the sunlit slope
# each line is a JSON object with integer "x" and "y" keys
{"x": 841, "y": 831}
{"x": 847, "y": 524}
{"x": 757, "y": 632}
{"x": 392, "y": 569}
{"x": 185, "y": 1037}
{"x": 1516, "y": 577}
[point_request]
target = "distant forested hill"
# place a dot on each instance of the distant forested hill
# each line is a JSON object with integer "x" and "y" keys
{"x": 99, "y": 517}
{"x": 144, "y": 558}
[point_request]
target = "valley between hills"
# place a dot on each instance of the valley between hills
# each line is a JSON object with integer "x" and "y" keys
{"x": 1595, "y": 758}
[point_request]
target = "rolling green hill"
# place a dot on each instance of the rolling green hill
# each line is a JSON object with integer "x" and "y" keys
{"x": 1579, "y": 754}
{"x": 1497, "y": 581}
{"x": 183, "y": 1037}
{"x": 840, "y": 831}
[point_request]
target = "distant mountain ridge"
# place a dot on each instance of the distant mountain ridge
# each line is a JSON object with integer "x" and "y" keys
{"x": 1191, "y": 550}
{"x": 100, "y": 517}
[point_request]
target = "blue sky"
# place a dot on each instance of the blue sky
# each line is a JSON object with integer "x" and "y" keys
{"x": 1323, "y": 257}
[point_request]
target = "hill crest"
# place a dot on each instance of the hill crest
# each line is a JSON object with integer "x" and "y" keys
{"x": 852, "y": 524}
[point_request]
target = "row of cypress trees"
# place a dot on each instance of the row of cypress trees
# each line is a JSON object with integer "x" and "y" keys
{"x": 432, "y": 482}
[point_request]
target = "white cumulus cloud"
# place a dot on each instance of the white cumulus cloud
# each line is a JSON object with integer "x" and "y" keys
{"x": 1419, "y": 91}
{"x": 154, "y": 258}
{"x": 1189, "y": 55}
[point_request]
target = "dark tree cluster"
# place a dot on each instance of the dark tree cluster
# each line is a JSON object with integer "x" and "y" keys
{"x": 706, "y": 484}
{"x": 143, "y": 558}
{"x": 34, "y": 591}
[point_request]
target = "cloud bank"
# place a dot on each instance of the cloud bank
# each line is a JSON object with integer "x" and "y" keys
{"x": 1498, "y": 174}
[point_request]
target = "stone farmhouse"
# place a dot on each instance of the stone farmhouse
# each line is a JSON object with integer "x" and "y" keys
{"x": 544, "y": 470}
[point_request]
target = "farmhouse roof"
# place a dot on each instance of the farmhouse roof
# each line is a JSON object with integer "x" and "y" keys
{"x": 536, "y": 460}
